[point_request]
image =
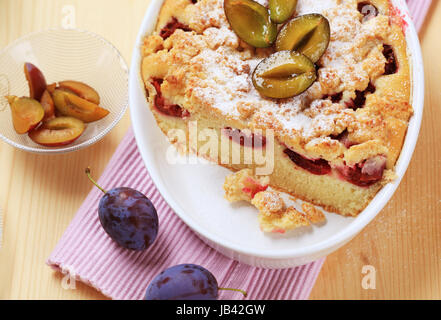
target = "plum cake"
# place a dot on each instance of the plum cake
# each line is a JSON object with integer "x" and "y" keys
{"x": 323, "y": 86}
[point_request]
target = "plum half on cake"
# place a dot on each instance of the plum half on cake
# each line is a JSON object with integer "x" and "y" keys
{"x": 336, "y": 95}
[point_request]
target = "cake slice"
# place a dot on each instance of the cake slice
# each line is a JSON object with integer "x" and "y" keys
{"x": 334, "y": 145}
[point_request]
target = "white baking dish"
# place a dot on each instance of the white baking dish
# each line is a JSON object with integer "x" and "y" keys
{"x": 195, "y": 191}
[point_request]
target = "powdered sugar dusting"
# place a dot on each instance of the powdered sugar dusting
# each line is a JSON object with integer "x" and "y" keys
{"x": 225, "y": 85}
{"x": 314, "y": 6}
{"x": 227, "y": 88}
{"x": 225, "y": 67}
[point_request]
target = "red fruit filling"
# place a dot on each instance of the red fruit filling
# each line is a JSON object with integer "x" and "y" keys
{"x": 171, "y": 27}
{"x": 391, "y": 61}
{"x": 366, "y": 173}
{"x": 360, "y": 98}
{"x": 162, "y": 106}
{"x": 335, "y": 98}
{"x": 367, "y": 10}
{"x": 344, "y": 138}
{"x": 317, "y": 167}
{"x": 247, "y": 140}
{"x": 279, "y": 230}
{"x": 253, "y": 187}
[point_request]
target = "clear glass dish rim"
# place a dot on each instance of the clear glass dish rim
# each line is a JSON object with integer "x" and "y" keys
{"x": 95, "y": 138}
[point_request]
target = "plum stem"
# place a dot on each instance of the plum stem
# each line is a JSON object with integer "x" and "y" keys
{"x": 245, "y": 294}
{"x": 93, "y": 181}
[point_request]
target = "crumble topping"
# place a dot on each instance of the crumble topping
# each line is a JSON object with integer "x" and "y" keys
{"x": 210, "y": 68}
{"x": 312, "y": 213}
{"x": 274, "y": 215}
{"x": 243, "y": 185}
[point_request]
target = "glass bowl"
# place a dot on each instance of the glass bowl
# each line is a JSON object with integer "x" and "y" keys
{"x": 64, "y": 54}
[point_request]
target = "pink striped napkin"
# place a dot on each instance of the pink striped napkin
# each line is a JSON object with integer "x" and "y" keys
{"x": 86, "y": 252}
{"x": 89, "y": 255}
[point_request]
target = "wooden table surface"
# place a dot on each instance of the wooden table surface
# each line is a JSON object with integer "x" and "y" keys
{"x": 39, "y": 195}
